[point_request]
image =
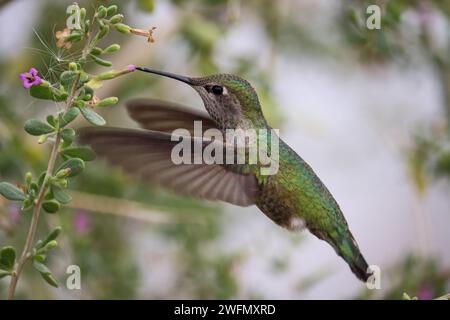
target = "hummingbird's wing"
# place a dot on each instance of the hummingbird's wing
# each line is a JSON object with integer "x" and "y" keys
{"x": 147, "y": 154}
{"x": 166, "y": 116}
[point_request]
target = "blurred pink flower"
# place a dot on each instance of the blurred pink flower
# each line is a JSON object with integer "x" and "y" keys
{"x": 14, "y": 213}
{"x": 82, "y": 222}
{"x": 30, "y": 78}
{"x": 425, "y": 292}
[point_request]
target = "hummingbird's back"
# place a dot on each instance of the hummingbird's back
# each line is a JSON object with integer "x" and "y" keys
{"x": 295, "y": 197}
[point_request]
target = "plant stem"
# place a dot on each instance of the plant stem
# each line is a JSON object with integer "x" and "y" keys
{"x": 38, "y": 204}
{"x": 26, "y": 254}
{"x": 34, "y": 220}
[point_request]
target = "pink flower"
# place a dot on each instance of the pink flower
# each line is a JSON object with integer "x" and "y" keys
{"x": 425, "y": 292}
{"x": 82, "y": 222}
{"x": 14, "y": 212}
{"x": 131, "y": 67}
{"x": 30, "y": 78}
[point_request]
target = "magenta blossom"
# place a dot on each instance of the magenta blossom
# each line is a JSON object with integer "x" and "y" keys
{"x": 30, "y": 78}
{"x": 425, "y": 292}
{"x": 82, "y": 222}
{"x": 131, "y": 67}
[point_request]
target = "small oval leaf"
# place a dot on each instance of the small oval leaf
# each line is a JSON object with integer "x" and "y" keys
{"x": 7, "y": 258}
{"x": 92, "y": 117}
{"x": 49, "y": 279}
{"x": 51, "y": 206}
{"x": 60, "y": 195}
{"x": 75, "y": 165}
{"x": 84, "y": 153}
{"x": 36, "y": 127}
{"x": 42, "y": 268}
{"x": 68, "y": 135}
{"x": 100, "y": 61}
{"x": 11, "y": 192}
{"x": 47, "y": 93}
{"x": 69, "y": 116}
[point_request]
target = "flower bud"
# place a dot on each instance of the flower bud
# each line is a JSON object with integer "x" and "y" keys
{"x": 63, "y": 173}
{"x": 73, "y": 66}
{"x": 107, "y": 102}
{"x": 82, "y": 14}
{"x": 102, "y": 12}
{"x": 101, "y": 62}
{"x": 42, "y": 139}
{"x": 28, "y": 178}
{"x": 74, "y": 36}
{"x": 63, "y": 183}
{"x": 51, "y": 244}
{"x": 116, "y": 19}
{"x": 111, "y": 9}
{"x": 107, "y": 75}
{"x": 104, "y": 28}
{"x": 112, "y": 48}
{"x": 122, "y": 28}
{"x": 96, "y": 51}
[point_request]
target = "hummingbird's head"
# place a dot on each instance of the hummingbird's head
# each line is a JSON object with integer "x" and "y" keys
{"x": 230, "y": 100}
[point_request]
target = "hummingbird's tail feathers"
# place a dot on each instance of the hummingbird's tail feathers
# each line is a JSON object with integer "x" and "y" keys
{"x": 349, "y": 251}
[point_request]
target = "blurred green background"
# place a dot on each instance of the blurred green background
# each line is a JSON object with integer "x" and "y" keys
{"x": 368, "y": 109}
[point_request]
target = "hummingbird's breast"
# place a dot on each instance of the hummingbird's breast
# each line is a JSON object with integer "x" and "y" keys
{"x": 295, "y": 197}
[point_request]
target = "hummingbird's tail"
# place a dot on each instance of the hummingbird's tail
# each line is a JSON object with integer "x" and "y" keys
{"x": 348, "y": 249}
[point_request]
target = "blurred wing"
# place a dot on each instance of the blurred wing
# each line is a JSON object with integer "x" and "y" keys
{"x": 147, "y": 154}
{"x": 166, "y": 116}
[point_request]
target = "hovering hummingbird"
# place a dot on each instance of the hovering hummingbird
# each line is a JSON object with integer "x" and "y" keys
{"x": 293, "y": 198}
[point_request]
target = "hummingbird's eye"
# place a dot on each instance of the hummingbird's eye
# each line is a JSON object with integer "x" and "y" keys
{"x": 217, "y": 90}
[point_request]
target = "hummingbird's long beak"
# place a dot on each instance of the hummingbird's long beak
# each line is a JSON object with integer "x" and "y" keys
{"x": 167, "y": 74}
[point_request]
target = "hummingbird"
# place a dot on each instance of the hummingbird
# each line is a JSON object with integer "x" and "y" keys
{"x": 294, "y": 198}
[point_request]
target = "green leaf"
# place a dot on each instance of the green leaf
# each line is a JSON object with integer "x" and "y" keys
{"x": 42, "y": 268}
{"x": 84, "y": 153}
{"x": 101, "y": 12}
{"x": 112, "y": 48}
{"x": 101, "y": 61}
{"x": 68, "y": 135}
{"x": 4, "y": 273}
{"x": 75, "y": 165}
{"x": 68, "y": 76}
{"x": 51, "y": 236}
{"x": 45, "y": 273}
{"x": 116, "y": 18}
{"x": 84, "y": 77}
{"x": 11, "y": 192}
{"x": 51, "y": 120}
{"x": 96, "y": 51}
{"x": 48, "y": 93}
{"x": 41, "y": 179}
{"x": 49, "y": 279}
{"x": 40, "y": 257}
{"x": 60, "y": 195}
{"x": 7, "y": 258}
{"x": 92, "y": 117}
{"x": 107, "y": 102}
{"x": 112, "y": 9}
{"x": 69, "y": 116}
{"x": 51, "y": 206}
{"x": 122, "y": 28}
{"x": 74, "y": 36}
{"x": 36, "y": 127}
